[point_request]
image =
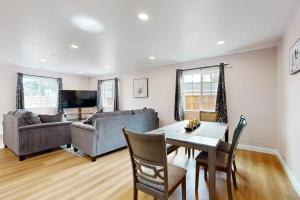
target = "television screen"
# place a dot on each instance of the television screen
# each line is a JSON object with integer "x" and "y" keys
{"x": 78, "y": 98}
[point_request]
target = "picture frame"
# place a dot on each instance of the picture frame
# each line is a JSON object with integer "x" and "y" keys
{"x": 140, "y": 88}
{"x": 294, "y": 58}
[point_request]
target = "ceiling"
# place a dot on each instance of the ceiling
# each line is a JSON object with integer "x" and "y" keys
{"x": 176, "y": 31}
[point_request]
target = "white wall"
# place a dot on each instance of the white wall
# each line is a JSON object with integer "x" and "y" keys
{"x": 288, "y": 96}
{"x": 8, "y": 79}
{"x": 251, "y": 90}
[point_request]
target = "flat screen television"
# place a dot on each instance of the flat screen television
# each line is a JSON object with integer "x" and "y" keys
{"x": 78, "y": 98}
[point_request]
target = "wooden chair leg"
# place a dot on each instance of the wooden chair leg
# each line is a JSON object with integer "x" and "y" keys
{"x": 185, "y": 150}
{"x": 183, "y": 188}
{"x": 234, "y": 180}
{"x": 193, "y": 153}
{"x": 197, "y": 177}
{"x": 234, "y": 166}
{"x": 205, "y": 173}
{"x": 189, "y": 153}
{"x": 229, "y": 191}
{"x": 135, "y": 194}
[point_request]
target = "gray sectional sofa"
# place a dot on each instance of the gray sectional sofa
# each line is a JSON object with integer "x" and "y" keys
{"x": 25, "y": 133}
{"x": 102, "y": 132}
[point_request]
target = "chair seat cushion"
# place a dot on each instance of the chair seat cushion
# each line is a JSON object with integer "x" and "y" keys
{"x": 171, "y": 148}
{"x": 221, "y": 159}
{"x": 224, "y": 147}
{"x": 175, "y": 175}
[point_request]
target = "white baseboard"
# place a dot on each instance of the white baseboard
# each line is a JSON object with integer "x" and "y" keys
{"x": 275, "y": 152}
{"x": 258, "y": 149}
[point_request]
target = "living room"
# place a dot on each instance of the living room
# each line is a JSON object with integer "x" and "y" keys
{"x": 153, "y": 72}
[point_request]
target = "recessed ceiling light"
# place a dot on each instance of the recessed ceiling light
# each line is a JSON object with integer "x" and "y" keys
{"x": 74, "y": 46}
{"x": 107, "y": 66}
{"x": 79, "y": 72}
{"x": 143, "y": 16}
{"x": 151, "y": 57}
{"x": 87, "y": 24}
{"x": 43, "y": 60}
{"x": 220, "y": 42}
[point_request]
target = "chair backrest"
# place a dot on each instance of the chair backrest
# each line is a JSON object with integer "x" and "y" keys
{"x": 208, "y": 116}
{"x": 236, "y": 136}
{"x": 149, "y": 159}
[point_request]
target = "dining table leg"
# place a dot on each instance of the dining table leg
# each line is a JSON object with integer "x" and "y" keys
{"x": 212, "y": 172}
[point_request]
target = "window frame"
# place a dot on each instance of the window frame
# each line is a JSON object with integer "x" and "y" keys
{"x": 103, "y": 93}
{"x": 201, "y": 72}
{"x": 34, "y": 77}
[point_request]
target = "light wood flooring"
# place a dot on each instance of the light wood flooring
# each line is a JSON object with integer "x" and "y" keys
{"x": 62, "y": 175}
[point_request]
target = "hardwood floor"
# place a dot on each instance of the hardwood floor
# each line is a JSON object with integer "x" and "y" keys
{"x": 63, "y": 175}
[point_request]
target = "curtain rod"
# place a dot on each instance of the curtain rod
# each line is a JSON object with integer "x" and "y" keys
{"x": 205, "y": 67}
{"x": 38, "y": 76}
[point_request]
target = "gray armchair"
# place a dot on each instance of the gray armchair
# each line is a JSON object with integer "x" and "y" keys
{"x": 25, "y": 140}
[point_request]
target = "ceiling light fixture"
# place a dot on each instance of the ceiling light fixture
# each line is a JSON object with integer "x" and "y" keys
{"x": 87, "y": 24}
{"x": 107, "y": 67}
{"x": 79, "y": 72}
{"x": 151, "y": 57}
{"x": 43, "y": 60}
{"x": 220, "y": 42}
{"x": 143, "y": 16}
{"x": 74, "y": 46}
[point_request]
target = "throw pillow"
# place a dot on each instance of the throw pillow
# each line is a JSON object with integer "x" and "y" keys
{"x": 90, "y": 119}
{"x": 52, "y": 118}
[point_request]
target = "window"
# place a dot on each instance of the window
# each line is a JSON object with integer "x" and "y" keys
{"x": 200, "y": 90}
{"x": 107, "y": 95}
{"x": 40, "y": 92}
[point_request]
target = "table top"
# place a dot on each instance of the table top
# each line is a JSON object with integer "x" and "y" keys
{"x": 208, "y": 134}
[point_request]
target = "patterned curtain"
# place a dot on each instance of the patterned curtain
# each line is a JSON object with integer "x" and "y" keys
{"x": 20, "y": 92}
{"x": 221, "y": 104}
{"x": 59, "y": 106}
{"x": 179, "y": 112}
{"x": 99, "y": 101}
{"x": 116, "y": 94}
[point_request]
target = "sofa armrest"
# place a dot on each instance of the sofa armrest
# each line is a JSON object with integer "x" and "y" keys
{"x": 44, "y": 125}
{"x": 84, "y": 137}
{"x": 84, "y": 126}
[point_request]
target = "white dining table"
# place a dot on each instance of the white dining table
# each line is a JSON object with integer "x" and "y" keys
{"x": 205, "y": 138}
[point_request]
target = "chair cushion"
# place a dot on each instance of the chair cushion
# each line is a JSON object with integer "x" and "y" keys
{"x": 224, "y": 147}
{"x": 175, "y": 175}
{"x": 171, "y": 148}
{"x": 52, "y": 118}
{"x": 221, "y": 159}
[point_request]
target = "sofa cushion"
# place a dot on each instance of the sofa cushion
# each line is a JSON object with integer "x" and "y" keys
{"x": 139, "y": 111}
{"x": 91, "y": 120}
{"x": 25, "y": 117}
{"x": 51, "y": 118}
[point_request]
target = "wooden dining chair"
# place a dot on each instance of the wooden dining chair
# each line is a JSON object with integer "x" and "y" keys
{"x": 223, "y": 160}
{"x": 225, "y": 147}
{"x": 207, "y": 116}
{"x": 151, "y": 172}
